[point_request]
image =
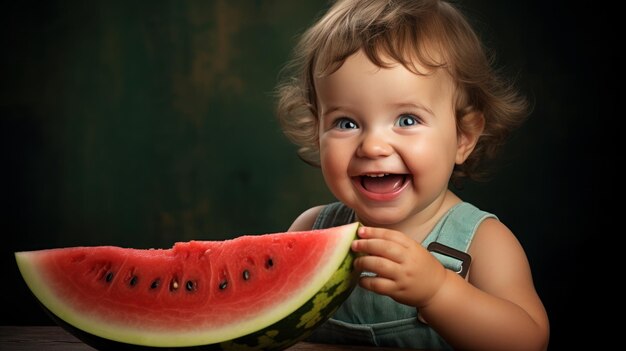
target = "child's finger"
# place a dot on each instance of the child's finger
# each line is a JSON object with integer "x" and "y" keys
{"x": 379, "y": 247}
{"x": 381, "y": 267}
{"x": 384, "y": 234}
{"x": 377, "y": 284}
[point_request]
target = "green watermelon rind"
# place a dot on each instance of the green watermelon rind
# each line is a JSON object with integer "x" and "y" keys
{"x": 307, "y": 310}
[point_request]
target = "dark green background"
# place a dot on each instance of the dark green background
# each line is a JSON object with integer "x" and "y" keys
{"x": 142, "y": 123}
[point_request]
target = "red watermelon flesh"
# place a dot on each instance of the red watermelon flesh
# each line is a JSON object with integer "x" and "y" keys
{"x": 196, "y": 293}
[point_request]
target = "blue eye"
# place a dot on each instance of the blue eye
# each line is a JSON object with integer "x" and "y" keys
{"x": 345, "y": 123}
{"x": 407, "y": 120}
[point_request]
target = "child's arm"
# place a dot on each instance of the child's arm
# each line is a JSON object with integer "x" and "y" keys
{"x": 497, "y": 309}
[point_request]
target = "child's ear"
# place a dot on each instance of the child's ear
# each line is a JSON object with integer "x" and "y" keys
{"x": 470, "y": 128}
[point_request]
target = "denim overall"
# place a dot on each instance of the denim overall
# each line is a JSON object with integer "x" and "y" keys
{"x": 367, "y": 318}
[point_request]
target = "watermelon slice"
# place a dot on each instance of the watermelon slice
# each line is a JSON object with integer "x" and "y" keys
{"x": 252, "y": 292}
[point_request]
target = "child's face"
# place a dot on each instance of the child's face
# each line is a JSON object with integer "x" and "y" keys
{"x": 388, "y": 139}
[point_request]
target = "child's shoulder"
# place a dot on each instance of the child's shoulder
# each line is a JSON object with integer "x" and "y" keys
{"x": 492, "y": 235}
{"x": 495, "y": 250}
{"x": 306, "y": 219}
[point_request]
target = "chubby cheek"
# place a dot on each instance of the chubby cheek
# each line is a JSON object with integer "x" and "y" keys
{"x": 431, "y": 165}
{"x": 334, "y": 163}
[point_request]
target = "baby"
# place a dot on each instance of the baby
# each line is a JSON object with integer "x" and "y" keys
{"x": 394, "y": 100}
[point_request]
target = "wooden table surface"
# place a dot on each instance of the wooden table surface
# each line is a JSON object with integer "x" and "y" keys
{"x": 53, "y": 338}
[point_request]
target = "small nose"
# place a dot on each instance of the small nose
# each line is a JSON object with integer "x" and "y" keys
{"x": 374, "y": 145}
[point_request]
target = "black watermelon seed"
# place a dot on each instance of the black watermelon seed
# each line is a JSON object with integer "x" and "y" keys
{"x": 269, "y": 263}
{"x": 246, "y": 274}
{"x": 155, "y": 284}
{"x": 108, "y": 277}
{"x": 133, "y": 280}
{"x": 223, "y": 284}
{"x": 190, "y": 285}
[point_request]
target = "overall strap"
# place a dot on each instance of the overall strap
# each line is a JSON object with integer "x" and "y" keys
{"x": 452, "y": 236}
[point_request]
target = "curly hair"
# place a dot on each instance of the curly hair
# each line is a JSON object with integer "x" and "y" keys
{"x": 432, "y": 32}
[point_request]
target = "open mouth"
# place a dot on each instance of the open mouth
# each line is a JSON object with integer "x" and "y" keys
{"x": 383, "y": 183}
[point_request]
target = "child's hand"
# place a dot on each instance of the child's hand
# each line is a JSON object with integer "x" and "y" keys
{"x": 405, "y": 271}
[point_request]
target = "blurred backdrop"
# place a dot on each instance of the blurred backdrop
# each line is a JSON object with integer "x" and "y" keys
{"x": 142, "y": 123}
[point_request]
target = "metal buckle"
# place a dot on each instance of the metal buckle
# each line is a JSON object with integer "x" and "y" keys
{"x": 465, "y": 258}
